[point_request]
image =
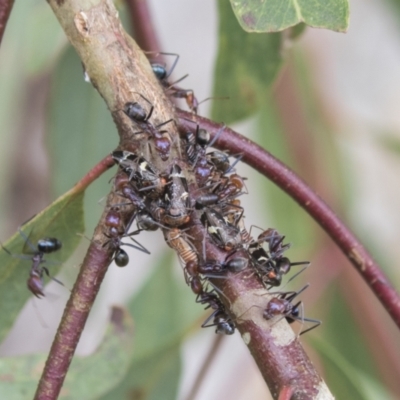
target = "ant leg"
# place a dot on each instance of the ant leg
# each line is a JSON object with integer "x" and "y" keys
{"x": 140, "y": 247}
{"x": 231, "y": 167}
{"x": 208, "y": 319}
{"x": 52, "y": 277}
{"x": 20, "y": 256}
{"x": 316, "y": 324}
{"x": 26, "y": 238}
{"x": 297, "y": 274}
{"x": 293, "y": 295}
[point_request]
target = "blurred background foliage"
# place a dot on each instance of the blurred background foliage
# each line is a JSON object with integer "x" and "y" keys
{"x": 324, "y": 103}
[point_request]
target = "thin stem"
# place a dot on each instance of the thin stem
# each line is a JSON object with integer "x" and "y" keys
{"x": 118, "y": 70}
{"x": 143, "y": 27}
{"x": 289, "y": 182}
{"x": 5, "y": 10}
{"x": 75, "y": 315}
{"x": 105, "y": 164}
{"x": 216, "y": 344}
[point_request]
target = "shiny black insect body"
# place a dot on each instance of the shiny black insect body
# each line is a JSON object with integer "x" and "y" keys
{"x": 236, "y": 262}
{"x": 220, "y": 318}
{"x": 282, "y": 305}
{"x": 139, "y": 115}
{"x": 116, "y": 231}
{"x": 162, "y": 74}
{"x": 271, "y": 265}
{"x": 44, "y": 246}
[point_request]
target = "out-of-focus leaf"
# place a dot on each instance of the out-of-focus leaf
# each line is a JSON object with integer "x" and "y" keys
{"x": 343, "y": 341}
{"x": 152, "y": 378}
{"x": 44, "y": 39}
{"x": 63, "y": 219}
{"x": 164, "y": 312}
{"x": 390, "y": 143}
{"x": 163, "y": 309}
{"x": 350, "y": 382}
{"x": 81, "y": 133}
{"x": 286, "y": 214}
{"x": 246, "y": 66}
{"x": 277, "y": 15}
{"x": 88, "y": 377}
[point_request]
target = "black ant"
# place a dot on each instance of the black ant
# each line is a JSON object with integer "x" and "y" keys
{"x": 282, "y": 305}
{"x": 160, "y": 71}
{"x": 117, "y": 231}
{"x": 139, "y": 115}
{"x": 221, "y": 320}
{"x": 271, "y": 265}
{"x": 44, "y": 246}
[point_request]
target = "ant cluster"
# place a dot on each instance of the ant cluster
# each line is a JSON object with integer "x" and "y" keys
{"x": 163, "y": 199}
{"x": 215, "y": 202}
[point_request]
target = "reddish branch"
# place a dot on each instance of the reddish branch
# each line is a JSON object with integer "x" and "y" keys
{"x": 143, "y": 28}
{"x": 118, "y": 70}
{"x": 94, "y": 173}
{"x": 289, "y": 182}
{"x": 76, "y": 313}
{"x": 5, "y": 10}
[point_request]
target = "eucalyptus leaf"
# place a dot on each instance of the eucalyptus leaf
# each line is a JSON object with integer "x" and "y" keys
{"x": 152, "y": 378}
{"x": 164, "y": 311}
{"x": 354, "y": 383}
{"x": 277, "y": 15}
{"x": 246, "y": 66}
{"x": 63, "y": 219}
{"x": 88, "y": 377}
{"x": 286, "y": 214}
{"x": 81, "y": 133}
{"x": 44, "y": 39}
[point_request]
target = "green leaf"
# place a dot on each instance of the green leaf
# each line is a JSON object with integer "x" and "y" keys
{"x": 390, "y": 143}
{"x": 283, "y": 212}
{"x": 152, "y": 378}
{"x": 246, "y": 67}
{"x": 63, "y": 219}
{"x": 164, "y": 311}
{"x": 352, "y": 383}
{"x": 81, "y": 133}
{"x": 44, "y": 39}
{"x": 277, "y": 15}
{"x": 88, "y": 377}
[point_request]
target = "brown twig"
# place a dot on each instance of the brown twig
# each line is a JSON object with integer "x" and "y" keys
{"x": 289, "y": 182}
{"x": 78, "y": 307}
{"x": 119, "y": 71}
{"x": 101, "y": 167}
{"x": 275, "y": 348}
{"x": 5, "y": 10}
{"x": 115, "y": 66}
